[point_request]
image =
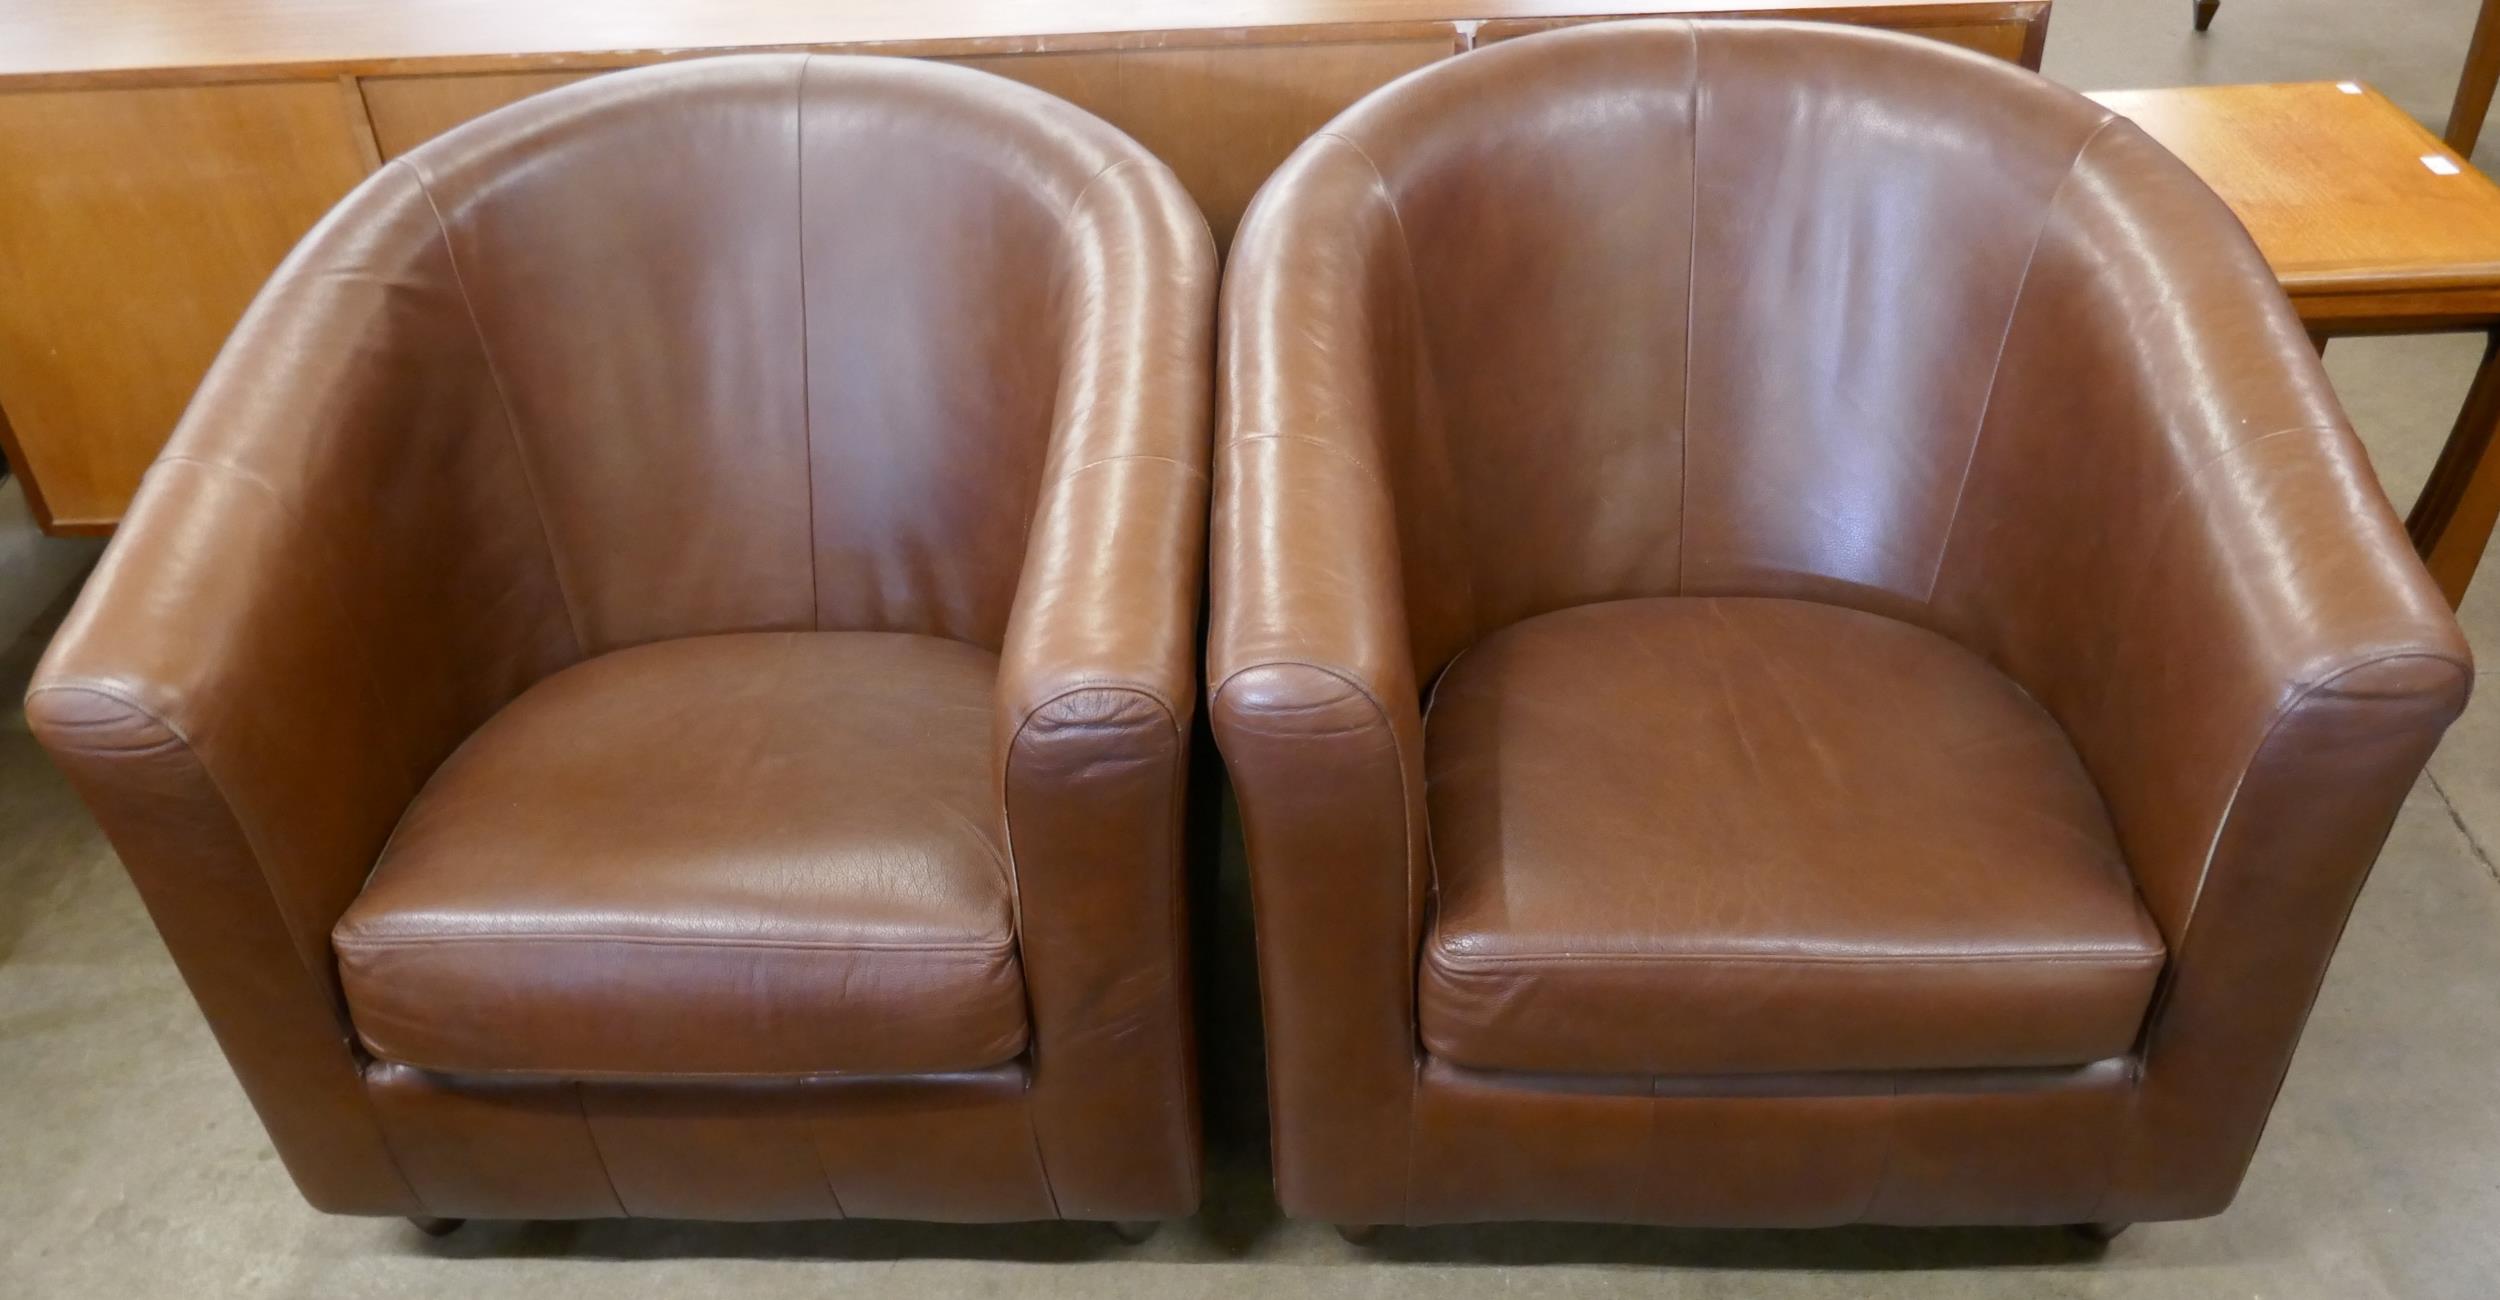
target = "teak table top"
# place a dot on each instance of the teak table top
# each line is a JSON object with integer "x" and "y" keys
{"x": 2374, "y": 227}
{"x": 2345, "y": 193}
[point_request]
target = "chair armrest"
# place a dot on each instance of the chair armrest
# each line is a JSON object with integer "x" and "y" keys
{"x": 1097, "y": 691}
{"x": 330, "y": 577}
{"x": 2171, "y": 537}
{"x": 1313, "y": 694}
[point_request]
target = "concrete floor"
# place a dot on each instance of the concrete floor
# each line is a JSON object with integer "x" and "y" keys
{"x": 131, "y": 1166}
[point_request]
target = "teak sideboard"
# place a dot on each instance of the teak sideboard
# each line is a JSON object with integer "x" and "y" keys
{"x": 159, "y": 157}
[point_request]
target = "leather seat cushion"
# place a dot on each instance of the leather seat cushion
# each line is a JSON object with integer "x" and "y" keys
{"x": 768, "y": 854}
{"x": 1713, "y": 835}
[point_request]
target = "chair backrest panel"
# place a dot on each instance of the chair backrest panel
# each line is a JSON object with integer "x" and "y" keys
{"x": 1699, "y": 308}
{"x": 780, "y": 336}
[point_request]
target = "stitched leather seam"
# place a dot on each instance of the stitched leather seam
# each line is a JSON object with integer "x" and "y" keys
{"x": 581, "y": 1103}
{"x": 568, "y": 1074}
{"x": 1033, "y": 1133}
{"x": 1171, "y": 715}
{"x": 1432, "y": 849}
{"x": 1323, "y": 444}
{"x": 1380, "y": 181}
{"x": 503, "y": 397}
{"x": 1692, "y": 262}
{"x": 1414, "y": 1122}
{"x": 1078, "y": 199}
{"x": 1883, "y": 1162}
{"x": 382, "y": 1129}
{"x": 252, "y": 477}
{"x": 1066, "y": 474}
{"x": 1996, "y": 368}
{"x": 1460, "y": 965}
{"x": 807, "y": 376}
{"x": 2130, "y": 1129}
{"x": 363, "y": 944}
{"x": 824, "y": 1171}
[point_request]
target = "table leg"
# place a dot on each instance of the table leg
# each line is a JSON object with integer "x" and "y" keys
{"x": 2474, "y": 85}
{"x": 2452, "y": 521}
{"x": 2205, "y": 13}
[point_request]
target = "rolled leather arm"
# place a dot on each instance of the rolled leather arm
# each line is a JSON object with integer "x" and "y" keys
{"x": 330, "y": 577}
{"x": 1313, "y": 694}
{"x": 1097, "y": 692}
{"x": 2172, "y": 538}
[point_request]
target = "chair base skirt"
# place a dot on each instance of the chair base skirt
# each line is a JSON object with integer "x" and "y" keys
{"x": 1951, "y": 1148}
{"x": 957, "y": 1148}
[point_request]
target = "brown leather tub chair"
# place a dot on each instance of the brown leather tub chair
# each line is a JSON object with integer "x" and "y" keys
{"x": 1800, "y": 640}
{"x": 654, "y": 678}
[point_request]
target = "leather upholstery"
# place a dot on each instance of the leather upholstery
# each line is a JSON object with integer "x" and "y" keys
{"x": 1664, "y": 312}
{"x": 777, "y": 344}
{"x": 770, "y": 854}
{"x": 1724, "y": 835}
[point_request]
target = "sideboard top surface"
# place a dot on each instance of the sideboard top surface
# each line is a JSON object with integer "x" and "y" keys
{"x": 49, "y": 43}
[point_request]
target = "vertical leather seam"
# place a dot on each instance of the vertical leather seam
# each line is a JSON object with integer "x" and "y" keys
{"x": 382, "y": 1135}
{"x": 824, "y": 1171}
{"x": 590, "y": 1130}
{"x": 1653, "y": 1155}
{"x": 2130, "y": 1136}
{"x": 1996, "y": 368}
{"x": 807, "y": 367}
{"x": 1883, "y": 1162}
{"x": 1692, "y": 261}
{"x": 1181, "y": 1067}
{"x": 1414, "y": 1121}
{"x": 503, "y": 398}
{"x": 1033, "y": 1133}
{"x": 1432, "y": 852}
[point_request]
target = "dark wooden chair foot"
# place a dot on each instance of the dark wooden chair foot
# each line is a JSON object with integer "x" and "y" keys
{"x": 1135, "y": 1231}
{"x": 2476, "y": 83}
{"x": 2103, "y": 1233}
{"x": 2205, "y": 13}
{"x": 1359, "y": 1234}
{"x": 436, "y": 1227}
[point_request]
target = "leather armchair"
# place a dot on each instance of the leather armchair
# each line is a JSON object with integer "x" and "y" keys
{"x": 655, "y": 676}
{"x": 1800, "y": 640}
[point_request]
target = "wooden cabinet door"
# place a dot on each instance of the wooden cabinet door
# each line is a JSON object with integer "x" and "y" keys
{"x": 135, "y": 226}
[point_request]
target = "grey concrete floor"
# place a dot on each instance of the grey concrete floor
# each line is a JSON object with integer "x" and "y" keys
{"x": 131, "y": 1166}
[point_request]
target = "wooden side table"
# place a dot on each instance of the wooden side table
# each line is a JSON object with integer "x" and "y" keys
{"x": 2374, "y": 227}
{"x": 2474, "y": 84}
